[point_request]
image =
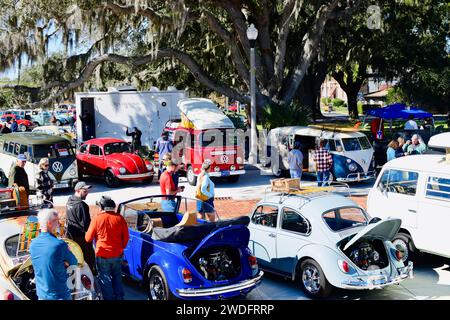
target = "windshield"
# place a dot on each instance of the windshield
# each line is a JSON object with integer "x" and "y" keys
{"x": 218, "y": 138}
{"x": 56, "y": 150}
{"x": 345, "y": 218}
{"x": 117, "y": 147}
{"x": 365, "y": 144}
{"x": 351, "y": 144}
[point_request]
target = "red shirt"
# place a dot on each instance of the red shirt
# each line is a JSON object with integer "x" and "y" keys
{"x": 166, "y": 182}
{"x": 110, "y": 231}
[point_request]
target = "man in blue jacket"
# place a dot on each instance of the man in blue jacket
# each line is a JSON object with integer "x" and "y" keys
{"x": 50, "y": 256}
{"x": 14, "y": 126}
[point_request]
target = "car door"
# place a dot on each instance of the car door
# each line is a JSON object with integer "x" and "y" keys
{"x": 263, "y": 234}
{"x": 395, "y": 196}
{"x": 434, "y": 215}
{"x": 131, "y": 218}
{"x": 293, "y": 234}
{"x": 82, "y": 155}
{"x": 95, "y": 160}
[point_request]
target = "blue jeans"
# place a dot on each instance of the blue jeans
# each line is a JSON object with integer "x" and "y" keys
{"x": 168, "y": 205}
{"x": 110, "y": 277}
{"x": 322, "y": 178}
{"x": 297, "y": 173}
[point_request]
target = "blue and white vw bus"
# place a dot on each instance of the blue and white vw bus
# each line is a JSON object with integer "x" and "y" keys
{"x": 351, "y": 151}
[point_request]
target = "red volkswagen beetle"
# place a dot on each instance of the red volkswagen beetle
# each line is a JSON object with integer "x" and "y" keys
{"x": 114, "y": 160}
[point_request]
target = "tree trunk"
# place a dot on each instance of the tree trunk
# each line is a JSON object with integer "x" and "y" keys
{"x": 352, "y": 98}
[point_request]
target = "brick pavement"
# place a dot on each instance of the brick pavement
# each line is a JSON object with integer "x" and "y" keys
{"x": 226, "y": 208}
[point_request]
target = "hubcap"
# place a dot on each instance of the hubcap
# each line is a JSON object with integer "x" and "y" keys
{"x": 109, "y": 178}
{"x": 190, "y": 174}
{"x": 157, "y": 287}
{"x": 402, "y": 246}
{"x": 311, "y": 279}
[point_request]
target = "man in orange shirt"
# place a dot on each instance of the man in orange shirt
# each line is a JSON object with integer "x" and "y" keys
{"x": 110, "y": 232}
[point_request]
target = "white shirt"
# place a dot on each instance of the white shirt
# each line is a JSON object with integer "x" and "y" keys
{"x": 411, "y": 125}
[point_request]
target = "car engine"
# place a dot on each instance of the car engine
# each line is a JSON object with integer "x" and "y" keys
{"x": 27, "y": 284}
{"x": 218, "y": 266}
{"x": 364, "y": 255}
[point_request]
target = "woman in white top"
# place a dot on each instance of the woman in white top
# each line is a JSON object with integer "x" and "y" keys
{"x": 206, "y": 186}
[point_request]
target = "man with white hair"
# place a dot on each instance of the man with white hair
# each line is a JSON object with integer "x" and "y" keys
{"x": 49, "y": 256}
{"x": 415, "y": 146}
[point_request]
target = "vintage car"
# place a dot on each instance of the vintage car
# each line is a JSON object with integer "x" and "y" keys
{"x": 113, "y": 160}
{"x": 23, "y": 124}
{"x": 323, "y": 240}
{"x": 17, "y": 280}
{"x": 56, "y": 131}
{"x": 176, "y": 255}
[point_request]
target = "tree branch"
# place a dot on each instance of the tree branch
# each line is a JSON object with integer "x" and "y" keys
{"x": 147, "y": 12}
{"x": 264, "y": 40}
{"x": 182, "y": 57}
{"x": 310, "y": 42}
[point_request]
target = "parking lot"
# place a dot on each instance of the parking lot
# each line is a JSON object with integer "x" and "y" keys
{"x": 431, "y": 275}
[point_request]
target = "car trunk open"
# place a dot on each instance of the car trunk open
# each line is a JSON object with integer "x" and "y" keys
{"x": 366, "y": 249}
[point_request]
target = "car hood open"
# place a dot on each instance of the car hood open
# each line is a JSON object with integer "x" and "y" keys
{"x": 383, "y": 230}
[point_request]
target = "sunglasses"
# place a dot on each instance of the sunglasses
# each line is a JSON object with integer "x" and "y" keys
{"x": 46, "y": 165}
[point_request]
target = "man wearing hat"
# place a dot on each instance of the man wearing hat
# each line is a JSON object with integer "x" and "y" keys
{"x": 78, "y": 220}
{"x": 295, "y": 160}
{"x": 18, "y": 175}
{"x": 110, "y": 232}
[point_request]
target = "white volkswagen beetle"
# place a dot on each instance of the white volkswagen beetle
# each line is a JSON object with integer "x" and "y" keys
{"x": 324, "y": 240}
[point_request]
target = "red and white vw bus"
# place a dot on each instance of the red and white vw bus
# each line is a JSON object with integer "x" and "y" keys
{"x": 205, "y": 133}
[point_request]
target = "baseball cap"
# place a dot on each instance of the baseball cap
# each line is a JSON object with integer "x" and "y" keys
{"x": 82, "y": 185}
{"x": 106, "y": 203}
{"x": 22, "y": 157}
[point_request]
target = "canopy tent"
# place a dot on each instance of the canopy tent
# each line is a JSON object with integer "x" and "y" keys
{"x": 398, "y": 111}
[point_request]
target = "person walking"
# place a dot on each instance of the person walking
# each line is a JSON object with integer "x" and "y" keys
{"x": 324, "y": 162}
{"x": 163, "y": 145}
{"x": 135, "y": 138}
{"x": 167, "y": 186}
{"x": 205, "y": 193}
{"x": 78, "y": 221}
{"x": 44, "y": 182}
{"x": 14, "y": 127}
{"x": 295, "y": 160}
{"x": 110, "y": 232}
{"x": 49, "y": 257}
{"x": 19, "y": 176}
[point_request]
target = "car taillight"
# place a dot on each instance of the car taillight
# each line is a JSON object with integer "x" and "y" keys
{"x": 253, "y": 262}
{"x": 399, "y": 255}
{"x": 8, "y": 295}
{"x": 86, "y": 282}
{"x": 344, "y": 266}
{"x": 187, "y": 275}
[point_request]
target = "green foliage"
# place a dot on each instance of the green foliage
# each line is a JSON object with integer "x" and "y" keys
{"x": 337, "y": 103}
{"x": 396, "y": 94}
{"x": 292, "y": 115}
{"x": 236, "y": 119}
{"x": 360, "y": 107}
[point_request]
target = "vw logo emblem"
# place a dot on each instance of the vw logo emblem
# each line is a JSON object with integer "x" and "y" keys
{"x": 224, "y": 159}
{"x": 364, "y": 161}
{"x": 57, "y": 166}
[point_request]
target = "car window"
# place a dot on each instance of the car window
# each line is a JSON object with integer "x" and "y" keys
{"x": 438, "y": 188}
{"x": 117, "y": 147}
{"x": 266, "y": 215}
{"x": 95, "y": 150}
{"x": 399, "y": 181}
{"x": 330, "y": 145}
{"x": 364, "y": 142}
{"x": 294, "y": 221}
{"x": 351, "y": 144}
{"x": 345, "y": 218}
{"x": 55, "y": 150}
{"x": 11, "y": 147}
{"x": 83, "y": 148}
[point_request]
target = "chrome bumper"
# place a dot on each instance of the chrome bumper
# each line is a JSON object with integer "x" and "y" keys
{"x": 231, "y": 173}
{"x": 187, "y": 293}
{"x": 358, "y": 176}
{"x": 378, "y": 281}
{"x": 135, "y": 176}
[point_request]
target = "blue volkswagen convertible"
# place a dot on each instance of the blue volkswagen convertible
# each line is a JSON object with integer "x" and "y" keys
{"x": 176, "y": 255}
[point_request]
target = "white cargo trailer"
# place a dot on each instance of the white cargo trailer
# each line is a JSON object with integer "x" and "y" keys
{"x": 110, "y": 112}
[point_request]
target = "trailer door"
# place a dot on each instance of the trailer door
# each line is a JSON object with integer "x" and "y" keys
{"x": 88, "y": 115}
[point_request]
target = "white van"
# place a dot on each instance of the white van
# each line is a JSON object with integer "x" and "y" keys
{"x": 350, "y": 149}
{"x": 416, "y": 189}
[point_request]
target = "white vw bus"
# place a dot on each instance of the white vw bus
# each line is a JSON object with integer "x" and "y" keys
{"x": 350, "y": 149}
{"x": 35, "y": 146}
{"x": 416, "y": 189}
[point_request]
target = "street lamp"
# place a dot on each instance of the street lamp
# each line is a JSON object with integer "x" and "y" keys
{"x": 252, "y": 34}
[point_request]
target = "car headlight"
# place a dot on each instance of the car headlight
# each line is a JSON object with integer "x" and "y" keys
{"x": 232, "y": 168}
{"x": 352, "y": 167}
{"x": 149, "y": 167}
{"x": 122, "y": 170}
{"x": 72, "y": 172}
{"x": 239, "y": 160}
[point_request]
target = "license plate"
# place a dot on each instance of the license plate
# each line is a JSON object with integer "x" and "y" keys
{"x": 61, "y": 185}
{"x": 225, "y": 173}
{"x": 379, "y": 281}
